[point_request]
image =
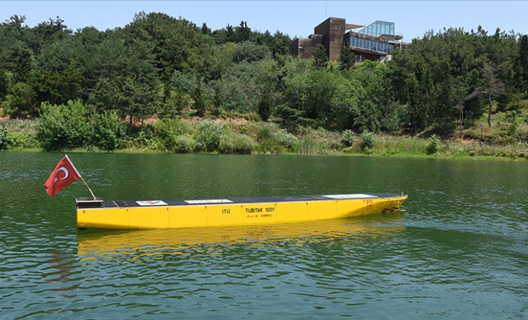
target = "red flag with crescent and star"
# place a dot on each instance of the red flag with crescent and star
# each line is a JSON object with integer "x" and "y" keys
{"x": 63, "y": 175}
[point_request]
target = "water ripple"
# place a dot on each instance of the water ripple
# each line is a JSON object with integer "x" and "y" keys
{"x": 459, "y": 251}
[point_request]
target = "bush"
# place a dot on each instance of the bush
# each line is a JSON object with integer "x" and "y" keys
{"x": 511, "y": 129}
{"x": 168, "y": 130}
{"x": 285, "y": 139}
{"x": 183, "y": 143}
{"x": 368, "y": 140}
{"x": 22, "y": 140}
{"x": 107, "y": 131}
{"x": 308, "y": 146}
{"x": 4, "y": 141}
{"x": 252, "y": 116}
{"x": 64, "y": 127}
{"x": 432, "y": 146}
{"x": 227, "y": 143}
{"x": 348, "y": 138}
{"x": 168, "y": 127}
{"x": 209, "y": 135}
{"x": 358, "y": 145}
{"x": 264, "y": 133}
{"x": 244, "y": 144}
{"x": 472, "y": 134}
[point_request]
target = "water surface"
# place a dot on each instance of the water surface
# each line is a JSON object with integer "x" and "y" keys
{"x": 459, "y": 251}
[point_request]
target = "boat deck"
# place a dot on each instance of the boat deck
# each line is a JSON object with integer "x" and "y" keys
{"x": 231, "y": 201}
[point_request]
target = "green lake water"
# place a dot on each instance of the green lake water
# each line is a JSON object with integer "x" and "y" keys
{"x": 459, "y": 251}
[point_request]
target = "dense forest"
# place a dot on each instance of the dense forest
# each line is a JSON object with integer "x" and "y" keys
{"x": 162, "y": 67}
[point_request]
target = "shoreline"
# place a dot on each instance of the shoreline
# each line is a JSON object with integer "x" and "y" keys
{"x": 436, "y": 156}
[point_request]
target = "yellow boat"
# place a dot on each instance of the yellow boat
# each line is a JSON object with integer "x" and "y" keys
{"x": 167, "y": 214}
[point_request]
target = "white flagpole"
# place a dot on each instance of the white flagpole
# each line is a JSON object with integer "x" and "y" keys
{"x": 80, "y": 176}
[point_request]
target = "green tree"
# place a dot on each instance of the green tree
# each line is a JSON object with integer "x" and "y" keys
{"x": 491, "y": 86}
{"x": 128, "y": 81}
{"x": 230, "y": 35}
{"x": 264, "y": 108}
{"x": 344, "y": 103}
{"x": 217, "y": 102}
{"x": 52, "y": 30}
{"x": 177, "y": 44}
{"x": 280, "y": 44}
{"x": 291, "y": 118}
{"x": 199, "y": 99}
{"x": 249, "y": 51}
{"x": 205, "y": 29}
{"x": 347, "y": 58}
{"x": 22, "y": 101}
{"x": 522, "y": 63}
{"x": 4, "y": 84}
{"x": 58, "y": 87}
{"x": 23, "y": 67}
{"x": 13, "y": 34}
{"x": 239, "y": 87}
{"x": 368, "y": 80}
{"x": 320, "y": 57}
{"x": 242, "y": 32}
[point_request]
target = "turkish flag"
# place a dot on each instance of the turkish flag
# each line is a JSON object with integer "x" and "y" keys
{"x": 63, "y": 175}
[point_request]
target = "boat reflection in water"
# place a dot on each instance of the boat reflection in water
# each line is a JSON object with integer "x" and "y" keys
{"x": 107, "y": 243}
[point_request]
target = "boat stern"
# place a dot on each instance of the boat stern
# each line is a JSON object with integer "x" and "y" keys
{"x": 82, "y": 205}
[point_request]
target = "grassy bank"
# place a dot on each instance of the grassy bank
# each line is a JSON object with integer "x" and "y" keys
{"x": 243, "y": 136}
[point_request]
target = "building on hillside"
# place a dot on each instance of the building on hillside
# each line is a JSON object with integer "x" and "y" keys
{"x": 373, "y": 42}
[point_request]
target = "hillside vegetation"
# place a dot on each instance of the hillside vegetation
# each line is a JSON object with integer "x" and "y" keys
{"x": 162, "y": 83}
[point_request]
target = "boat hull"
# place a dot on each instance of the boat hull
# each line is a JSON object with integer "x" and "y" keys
{"x": 230, "y": 212}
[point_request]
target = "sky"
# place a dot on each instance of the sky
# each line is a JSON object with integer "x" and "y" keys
{"x": 295, "y": 18}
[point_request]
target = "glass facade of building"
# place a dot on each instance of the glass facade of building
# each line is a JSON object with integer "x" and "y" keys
{"x": 378, "y": 28}
{"x": 371, "y": 45}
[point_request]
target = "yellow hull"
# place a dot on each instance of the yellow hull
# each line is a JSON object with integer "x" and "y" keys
{"x": 163, "y": 214}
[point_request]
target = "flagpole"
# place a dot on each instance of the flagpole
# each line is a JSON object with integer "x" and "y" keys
{"x": 88, "y": 187}
{"x": 81, "y": 177}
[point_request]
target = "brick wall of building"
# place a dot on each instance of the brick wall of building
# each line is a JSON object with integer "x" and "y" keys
{"x": 306, "y": 46}
{"x": 332, "y": 30}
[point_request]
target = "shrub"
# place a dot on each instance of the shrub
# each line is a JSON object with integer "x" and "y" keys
{"x": 22, "y": 140}
{"x": 4, "y": 141}
{"x": 244, "y": 144}
{"x": 252, "y": 116}
{"x": 209, "y": 135}
{"x": 227, "y": 143}
{"x": 169, "y": 127}
{"x": 472, "y": 134}
{"x": 264, "y": 133}
{"x": 285, "y": 139}
{"x": 183, "y": 143}
{"x": 167, "y": 130}
{"x": 358, "y": 145}
{"x": 432, "y": 146}
{"x": 107, "y": 130}
{"x": 64, "y": 127}
{"x": 368, "y": 140}
{"x": 276, "y": 149}
{"x": 308, "y": 146}
{"x": 348, "y": 138}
